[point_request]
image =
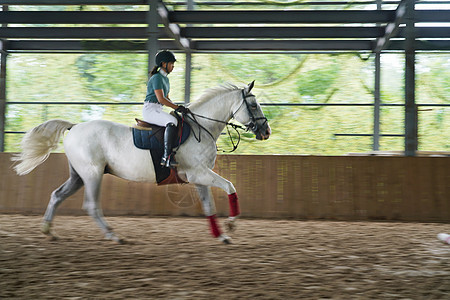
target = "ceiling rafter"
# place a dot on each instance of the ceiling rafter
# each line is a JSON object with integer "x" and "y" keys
{"x": 173, "y": 30}
{"x": 391, "y": 28}
{"x": 218, "y": 30}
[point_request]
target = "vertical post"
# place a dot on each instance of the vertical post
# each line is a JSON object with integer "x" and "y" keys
{"x": 2, "y": 95}
{"x": 187, "y": 77}
{"x": 377, "y": 103}
{"x": 188, "y": 65}
{"x": 411, "y": 118}
{"x": 152, "y": 32}
{"x": 377, "y": 97}
{"x": 3, "y": 55}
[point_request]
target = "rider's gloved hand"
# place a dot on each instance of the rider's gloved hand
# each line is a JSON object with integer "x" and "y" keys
{"x": 182, "y": 109}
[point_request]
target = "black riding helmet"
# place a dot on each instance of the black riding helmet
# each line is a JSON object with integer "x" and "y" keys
{"x": 164, "y": 56}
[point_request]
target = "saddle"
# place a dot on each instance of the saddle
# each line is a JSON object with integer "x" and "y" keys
{"x": 149, "y": 136}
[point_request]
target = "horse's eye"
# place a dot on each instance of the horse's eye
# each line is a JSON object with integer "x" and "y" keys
{"x": 254, "y": 106}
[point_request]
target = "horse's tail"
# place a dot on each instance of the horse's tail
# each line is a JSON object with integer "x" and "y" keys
{"x": 38, "y": 143}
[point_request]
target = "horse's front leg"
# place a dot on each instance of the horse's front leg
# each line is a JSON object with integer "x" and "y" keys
{"x": 204, "y": 179}
{"x": 209, "y": 209}
{"x": 230, "y": 224}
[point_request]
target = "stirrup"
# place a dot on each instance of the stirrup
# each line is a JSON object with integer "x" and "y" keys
{"x": 169, "y": 162}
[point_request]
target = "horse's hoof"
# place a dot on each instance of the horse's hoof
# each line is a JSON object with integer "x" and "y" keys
{"x": 230, "y": 225}
{"x": 112, "y": 237}
{"x": 225, "y": 239}
{"x": 443, "y": 237}
{"x": 45, "y": 228}
{"x": 53, "y": 238}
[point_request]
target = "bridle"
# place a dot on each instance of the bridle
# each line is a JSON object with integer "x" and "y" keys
{"x": 252, "y": 124}
{"x": 249, "y": 126}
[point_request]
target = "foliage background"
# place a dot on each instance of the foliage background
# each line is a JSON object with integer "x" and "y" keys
{"x": 280, "y": 78}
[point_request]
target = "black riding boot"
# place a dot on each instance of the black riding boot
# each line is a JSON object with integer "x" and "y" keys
{"x": 170, "y": 135}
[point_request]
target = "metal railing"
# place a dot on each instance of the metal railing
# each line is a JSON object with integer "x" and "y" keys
{"x": 262, "y": 104}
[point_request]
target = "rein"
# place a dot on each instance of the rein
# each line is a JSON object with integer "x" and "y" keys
{"x": 234, "y": 126}
{"x": 251, "y": 125}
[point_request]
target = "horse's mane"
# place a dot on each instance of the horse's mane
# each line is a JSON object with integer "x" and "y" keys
{"x": 215, "y": 91}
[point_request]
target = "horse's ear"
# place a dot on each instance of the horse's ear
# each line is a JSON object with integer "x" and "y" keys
{"x": 250, "y": 86}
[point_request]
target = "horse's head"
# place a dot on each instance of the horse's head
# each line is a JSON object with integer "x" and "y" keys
{"x": 251, "y": 115}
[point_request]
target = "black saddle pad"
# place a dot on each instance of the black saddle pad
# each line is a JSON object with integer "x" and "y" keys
{"x": 154, "y": 138}
{"x": 149, "y": 139}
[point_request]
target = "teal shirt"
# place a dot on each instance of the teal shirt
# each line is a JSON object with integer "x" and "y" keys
{"x": 157, "y": 82}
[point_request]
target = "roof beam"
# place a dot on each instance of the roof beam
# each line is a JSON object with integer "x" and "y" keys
{"x": 172, "y": 30}
{"x": 281, "y": 32}
{"x": 73, "y": 17}
{"x": 219, "y": 17}
{"x": 80, "y": 46}
{"x": 281, "y": 16}
{"x": 422, "y": 45}
{"x": 306, "y": 32}
{"x": 213, "y": 32}
{"x": 287, "y": 3}
{"x": 311, "y": 45}
{"x": 429, "y": 32}
{"x": 217, "y": 45}
{"x": 73, "y": 2}
{"x": 432, "y": 16}
{"x": 300, "y": 16}
{"x": 391, "y": 28}
{"x": 76, "y": 32}
{"x": 286, "y": 45}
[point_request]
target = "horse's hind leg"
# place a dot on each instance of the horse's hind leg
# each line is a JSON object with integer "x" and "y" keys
{"x": 92, "y": 206}
{"x": 68, "y": 188}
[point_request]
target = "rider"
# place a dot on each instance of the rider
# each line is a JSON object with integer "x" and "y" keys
{"x": 158, "y": 88}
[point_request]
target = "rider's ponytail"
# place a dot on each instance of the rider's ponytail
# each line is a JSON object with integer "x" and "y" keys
{"x": 154, "y": 71}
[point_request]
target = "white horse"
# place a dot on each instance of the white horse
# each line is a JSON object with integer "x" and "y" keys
{"x": 98, "y": 147}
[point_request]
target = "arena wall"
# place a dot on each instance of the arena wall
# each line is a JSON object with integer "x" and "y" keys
{"x": 268, "y": 186}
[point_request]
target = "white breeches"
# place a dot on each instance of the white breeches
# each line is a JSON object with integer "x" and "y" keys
{"x": 153, "y": 113}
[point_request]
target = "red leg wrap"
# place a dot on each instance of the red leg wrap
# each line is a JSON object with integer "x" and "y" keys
{"x": 214, "y": 227}
{"x": 234, "y": 205}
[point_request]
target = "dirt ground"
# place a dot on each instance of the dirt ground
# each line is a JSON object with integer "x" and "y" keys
{"x": 175, "y": 258}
